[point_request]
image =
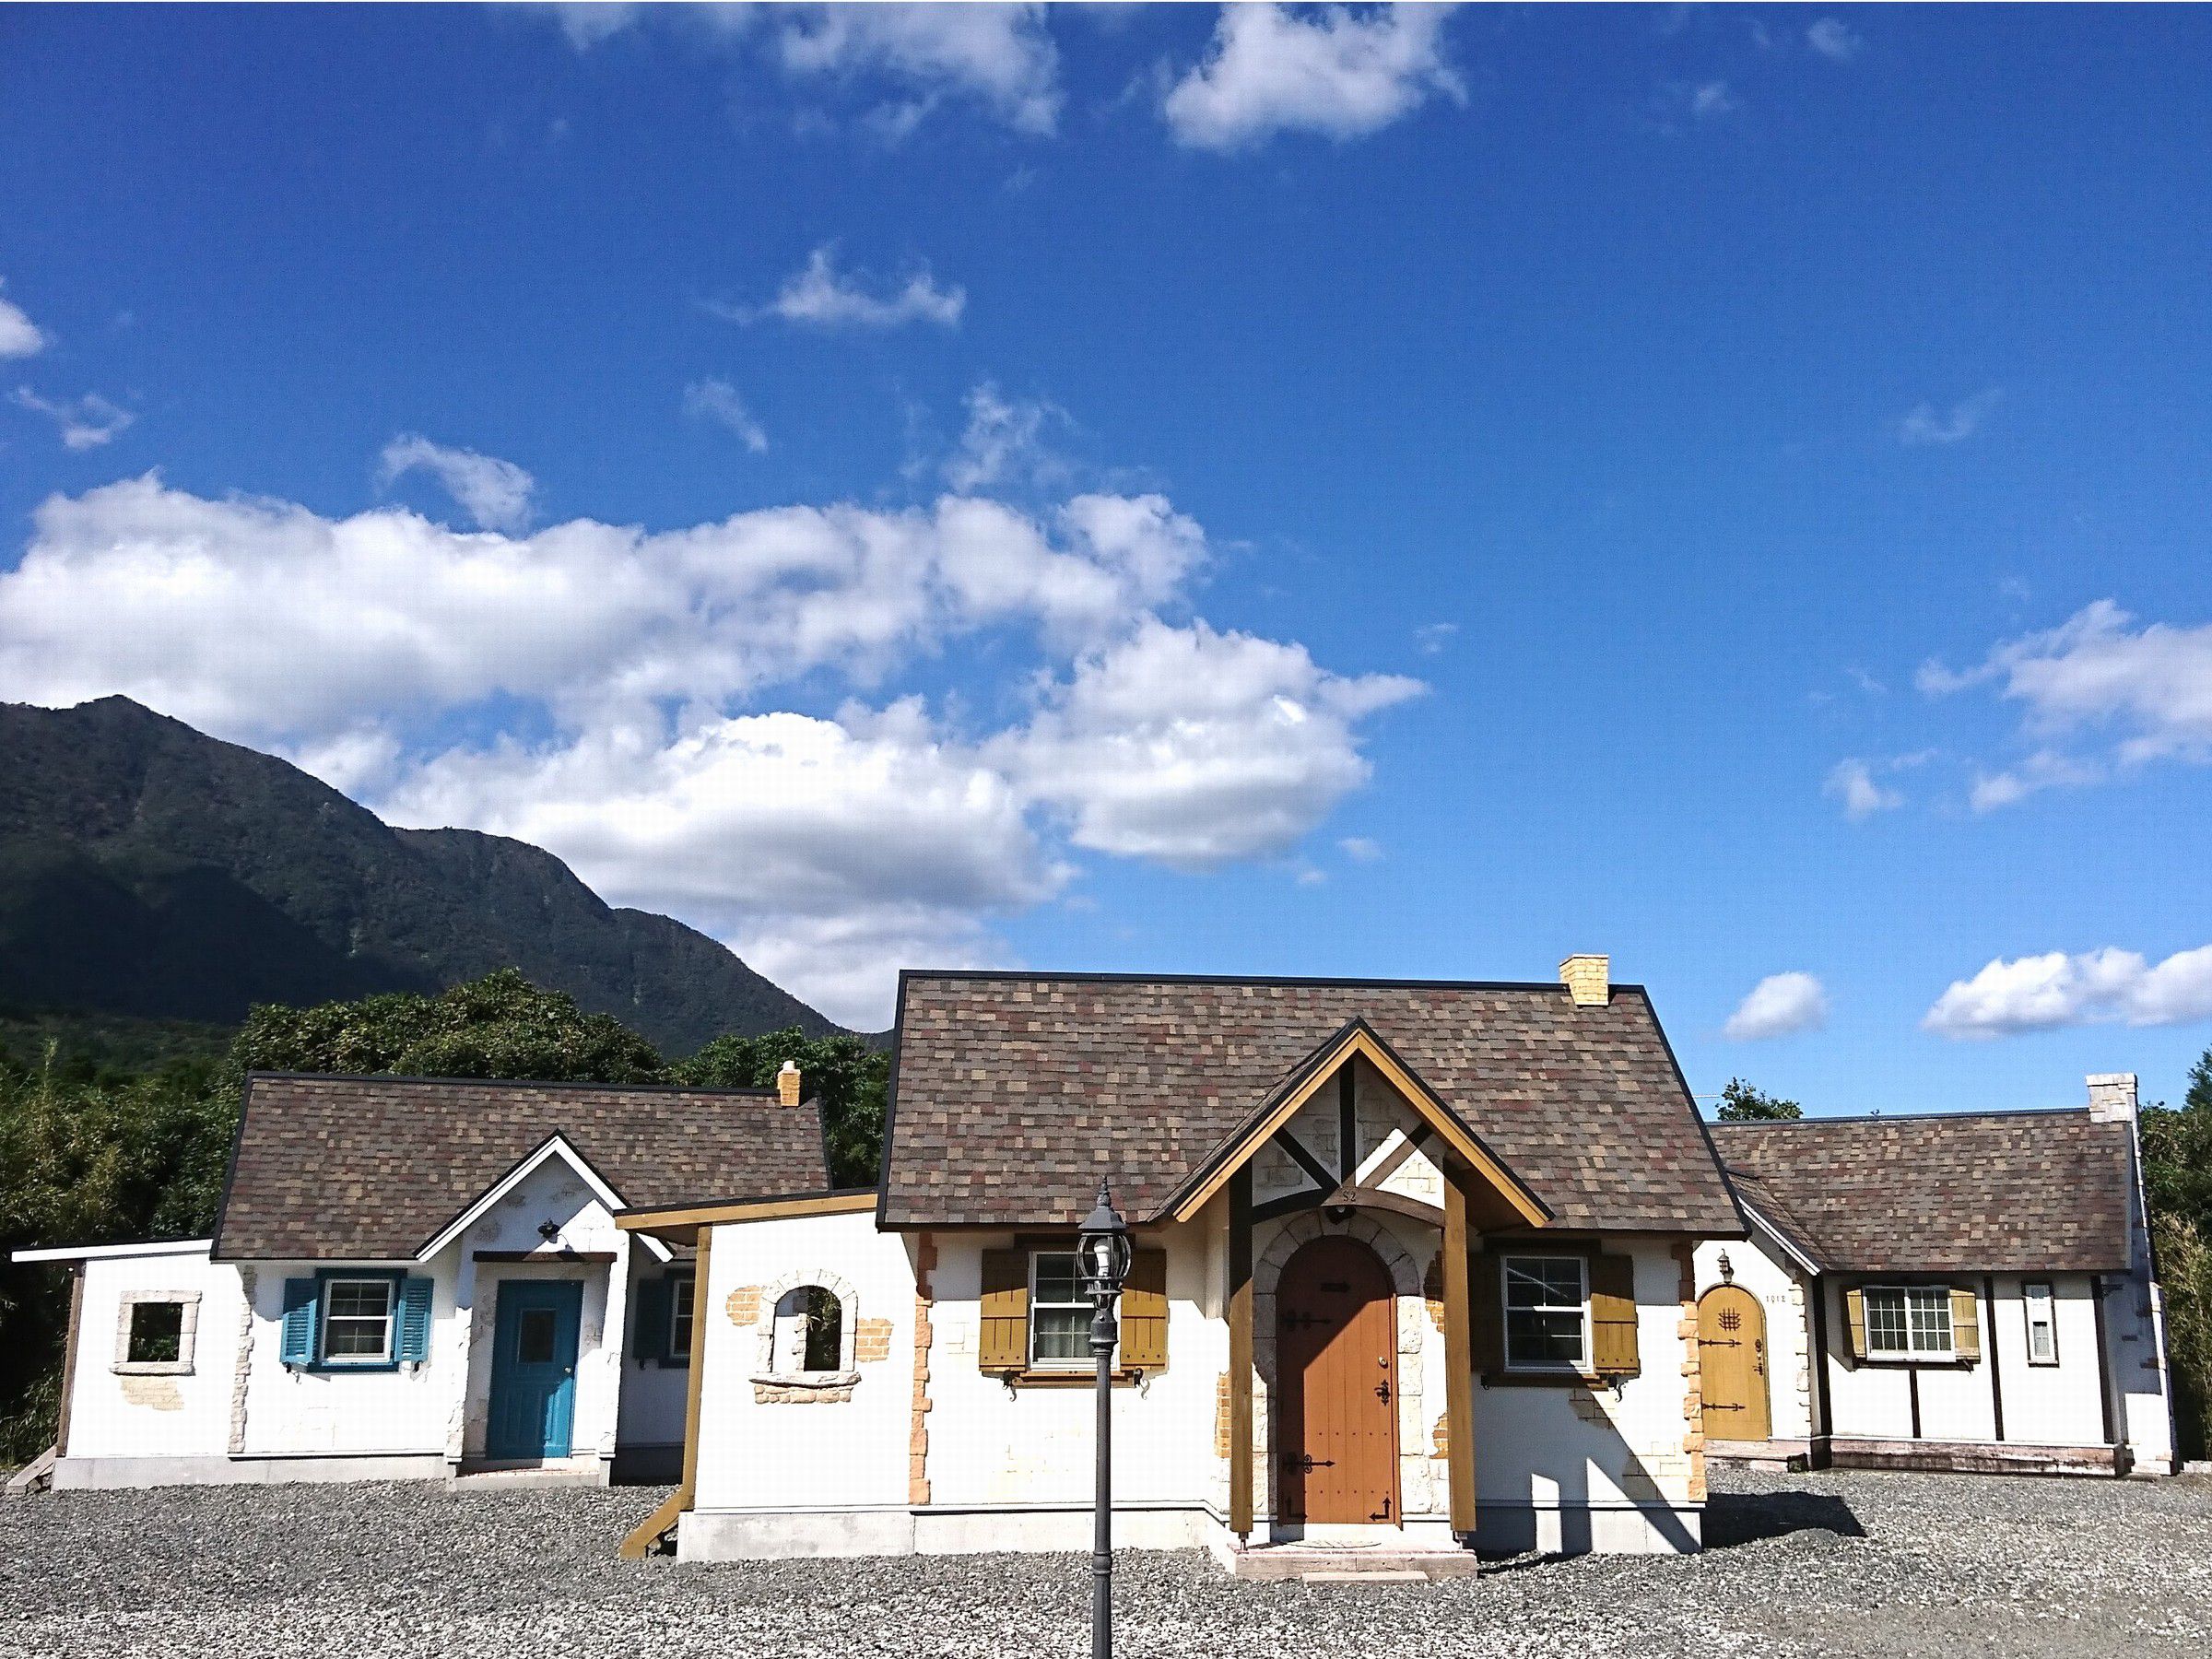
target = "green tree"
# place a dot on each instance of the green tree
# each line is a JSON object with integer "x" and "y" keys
{"x": 499, "y": 1025}
{"x": 850, "y": 1078}
{"x": 2177, "y": 1185}
{"x": 1741, "y": 1103}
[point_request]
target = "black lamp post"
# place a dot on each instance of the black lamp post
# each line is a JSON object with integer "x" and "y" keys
{"x": 1102, "y": 1256}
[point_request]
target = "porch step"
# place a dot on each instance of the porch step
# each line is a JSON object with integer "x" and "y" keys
{"x": 1278, "y": 1562}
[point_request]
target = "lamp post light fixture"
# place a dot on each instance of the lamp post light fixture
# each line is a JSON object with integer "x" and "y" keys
{"x": 1103, "y": 1258}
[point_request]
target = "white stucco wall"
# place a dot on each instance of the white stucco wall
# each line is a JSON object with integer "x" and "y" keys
{"x": 1760, "y": 1266}
{"x": 760, "y": 1454}
{"x": 113, "y": 1415}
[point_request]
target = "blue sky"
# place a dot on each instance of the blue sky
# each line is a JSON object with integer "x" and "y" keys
{"x": 1398, "y": 494}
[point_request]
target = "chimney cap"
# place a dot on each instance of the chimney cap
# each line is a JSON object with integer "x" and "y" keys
{"x": 2111, "y": 1096}
{"x": 1589, "y": 977}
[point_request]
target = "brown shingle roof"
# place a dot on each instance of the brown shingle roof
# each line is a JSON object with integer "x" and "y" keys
{"x": 371, "y": 1169}
{"x": 1014, "y": 1093}
{"x": 2013, "y": 1192}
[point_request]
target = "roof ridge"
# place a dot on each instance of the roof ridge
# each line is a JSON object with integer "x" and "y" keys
{"x": 700, "y": 1089}
{"x": 1286, "y": 980}
{"x": 1840, "y": 1119}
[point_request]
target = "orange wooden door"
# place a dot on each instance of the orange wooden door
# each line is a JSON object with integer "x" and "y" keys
{"x": 1732, "y": 1364}
{"x": 1337, "y": 1443}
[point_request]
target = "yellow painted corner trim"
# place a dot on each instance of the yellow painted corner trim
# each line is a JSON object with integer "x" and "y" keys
{"x": 640, "y": 1543}
{"x": 1362, "y": 1043}
{"x": 745, "y": 1209}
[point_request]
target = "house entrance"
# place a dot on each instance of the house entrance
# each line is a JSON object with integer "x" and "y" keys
{"x": 534, "y": 1369}
{"x": 1732, "y": 1364}
{"x": 1337, "y": 1445}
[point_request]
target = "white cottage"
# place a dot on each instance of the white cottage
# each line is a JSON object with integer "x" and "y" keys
{"x": 417, "y": 1277}
{"x": 1413, "y": 1273}
{"x": 1969, "y": 1291}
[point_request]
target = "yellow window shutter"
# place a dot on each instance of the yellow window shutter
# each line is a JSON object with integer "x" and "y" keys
{"x": 1613, "y": 1316}
{"x": 1966, "y": 1324}
{"x": 1855, "y": 1315}
{"x": 1145, "y": 1313}
{"x": 1004, "y": 1342}
{"x": 1485, "y": 1316}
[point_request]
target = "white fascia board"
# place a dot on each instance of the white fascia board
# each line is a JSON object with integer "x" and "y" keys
{"x": 88, "y": 1253}
{"x": 556, "y": 1145}
{"x": 1780, "y": 1238}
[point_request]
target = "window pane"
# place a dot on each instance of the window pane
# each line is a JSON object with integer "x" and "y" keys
{"x": 351, "y": 1298}
{"x": 156, "y": 1333}
{"x": 1886, "y": 1321}
{"x": 1543, "y": 1281}
{"x": 1553, "y": 1338}
{"x": 825, "y": 1330}
{"x": 1056, "y": 1279}
{"x": 534, "y": 1337}
{"x": 1931, "y": 1318}
{"x": 679, "y": 1315}
{"x": 1061, "y": 1333}
{"x": 356, "y": 1321}
{"x": 2042, "y": 1326}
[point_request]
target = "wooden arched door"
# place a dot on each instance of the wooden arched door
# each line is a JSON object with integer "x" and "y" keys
{"x": 1336, "y": 1382}
{"x": 1732, "y": 1364}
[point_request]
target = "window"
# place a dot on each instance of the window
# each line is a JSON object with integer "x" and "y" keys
{"x": 1546, "y": 1313}
{"x": 356, "y": 1321}
{"x": 154, "y": 1331}
{"x": 810, "y": 1331}
{"x": 809, "y": 1341}
{"x": 680, "y": 1287}
{"x": 2042, "y": 1325}
{"x": 1060, "y": 1313}
{"x": 1909, "y": 1322}
{"x": 156, "y": 1334}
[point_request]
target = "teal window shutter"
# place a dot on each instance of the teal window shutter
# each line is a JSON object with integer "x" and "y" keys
{"x": 299, "y": 1346}
{"x": 648, "y": 1333}
{"x": 414, "y": 1347}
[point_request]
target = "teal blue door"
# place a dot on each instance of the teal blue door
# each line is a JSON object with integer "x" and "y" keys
{"x": 534, "y": 1370}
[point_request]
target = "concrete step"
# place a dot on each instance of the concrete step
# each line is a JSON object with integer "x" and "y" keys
{"x": 1278, "y": 1562}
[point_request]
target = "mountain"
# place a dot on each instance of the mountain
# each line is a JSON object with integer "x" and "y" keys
{"x": 147, "y": 869}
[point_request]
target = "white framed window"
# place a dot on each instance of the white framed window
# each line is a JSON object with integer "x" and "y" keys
{"x": 155, "y": 1332}
{"x": 1060, "y": 1313}
{"x": 680, "y": 1287}
{"x": 1546, "y": 1301}
{"x": 2043, "y": 1323}
{"x": 357, "y": 1321}
{"x": 1909, "y": 1322}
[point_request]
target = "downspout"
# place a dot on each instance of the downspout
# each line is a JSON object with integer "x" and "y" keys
{"x": 654, "y": 1527}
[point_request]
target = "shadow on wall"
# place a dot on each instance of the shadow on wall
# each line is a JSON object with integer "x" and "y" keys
{"x": 1734, "y": 1518}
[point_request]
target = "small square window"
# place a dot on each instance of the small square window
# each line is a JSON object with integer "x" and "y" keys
{"x": 1060, "y": 1315}
{"x": 356, "y": 1321}
{"x": 1908, "y": 1322}
{"x": 156, "y": 1333}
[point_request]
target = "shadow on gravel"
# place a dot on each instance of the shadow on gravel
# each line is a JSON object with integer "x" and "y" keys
{"x": 1734, "y": 1518}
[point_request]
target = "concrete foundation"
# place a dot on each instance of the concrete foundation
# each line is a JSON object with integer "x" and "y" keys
{"x": 89, "y": 1473}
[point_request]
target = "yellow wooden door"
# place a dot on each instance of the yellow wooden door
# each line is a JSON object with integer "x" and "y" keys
{"x": 1732, "y": 1364}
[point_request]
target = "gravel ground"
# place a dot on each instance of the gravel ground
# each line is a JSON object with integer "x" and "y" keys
{"x": 1831, "y": 1563}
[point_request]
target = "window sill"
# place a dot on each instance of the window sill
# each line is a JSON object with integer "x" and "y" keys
{"x": 807, "y": 1379}
{"x": 152, "y": 1368}
{"x": 1553, "y": 1379}
{"x": 1068, "y": 1378}
{"x": 1921, "y": 1361}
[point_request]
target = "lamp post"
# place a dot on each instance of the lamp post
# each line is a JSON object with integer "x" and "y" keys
{"x": 1102, "y": 1252}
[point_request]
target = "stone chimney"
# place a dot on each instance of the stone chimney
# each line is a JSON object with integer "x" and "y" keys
{"x": 2112, "y": 1097}
{"x": 1590, "y": 978}
{"x": 787, "y": 1084}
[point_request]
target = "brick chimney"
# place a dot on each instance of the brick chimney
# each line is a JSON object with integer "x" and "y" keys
{"x": 2112, "y": 1097}
{"x": 787, "y": 1084}
{"x": 1590, "y": 978}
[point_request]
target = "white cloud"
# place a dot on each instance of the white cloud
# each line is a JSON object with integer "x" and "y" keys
{"x": 1927, "y": 424}
{"x": 1001, "y": 56}
{"x": 1854, "y": 784}
{"x": 19, "y": 336}
{"x": 1711, "y": 97}
{"x": 633, "y": 667}
{"x": 1834, "y": 39}
{"x": 86, "y": 423}
{"x": 1332, "y": 71}
{"x": 588, "y": 22}
{"x": 2043, "y": 993}
{"x": 817, "y": 296}
{"x": 717, "y": 400}
{"x": 1361, "y": 849}
{"x": 494, "y": 493}
{"x": 1194, "y": 748}
{"x": 1433, "y": 637}
{"x": 1779, "y": 1005}
{"x": 1003, "y": 443}
{"x": 2144, "y": 693}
